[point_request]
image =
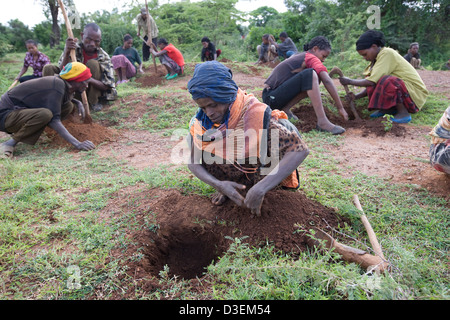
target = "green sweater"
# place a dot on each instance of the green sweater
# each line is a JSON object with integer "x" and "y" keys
{"x": 131, "y": 54}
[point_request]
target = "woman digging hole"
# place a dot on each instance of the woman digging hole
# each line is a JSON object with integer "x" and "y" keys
{"x": 239, "y": 144}
{"x": 391, "y": 83}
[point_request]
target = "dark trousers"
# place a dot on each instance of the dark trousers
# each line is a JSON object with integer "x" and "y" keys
{"x": 279, "y": 97}
{"x": 146, "y": 48}
{"x": 27, "y": 125}
{"x": 26, "y": 78}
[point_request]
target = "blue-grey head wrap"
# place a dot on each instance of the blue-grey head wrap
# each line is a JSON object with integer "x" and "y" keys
{"x": 213, "y": 80}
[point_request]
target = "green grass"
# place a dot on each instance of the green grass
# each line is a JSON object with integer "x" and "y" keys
{"x": 57, "y": 239}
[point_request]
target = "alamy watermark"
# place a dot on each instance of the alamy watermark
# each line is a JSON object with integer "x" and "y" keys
{"x": 239, "y": 146}
{"x": 73, "y": 283}
{"x": 374, "y": 21}
{"x": 74, "y": 17}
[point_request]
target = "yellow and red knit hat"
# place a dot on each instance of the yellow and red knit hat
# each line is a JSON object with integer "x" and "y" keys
{"x": 75, "y": 71}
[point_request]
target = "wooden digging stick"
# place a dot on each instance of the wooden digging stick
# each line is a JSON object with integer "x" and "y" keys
{"x": 321, "y": 239}
{"x": 338, "y": 71}
{"x": 14, "y": 83}
{"x": 87, "y": 118}
{"x": 372, "y": 237}
{"x": 149, "y": 27}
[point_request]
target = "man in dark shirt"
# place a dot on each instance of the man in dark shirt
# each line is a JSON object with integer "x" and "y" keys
{"x": 27, "y": 109}
{"x": 413, "y": 55}
{"x": 286, "y": 48}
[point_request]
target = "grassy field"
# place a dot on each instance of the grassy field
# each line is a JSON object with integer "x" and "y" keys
{"x": 56, "y": 242}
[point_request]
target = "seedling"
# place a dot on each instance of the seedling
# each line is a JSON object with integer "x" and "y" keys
{"x": 388, "y": 122}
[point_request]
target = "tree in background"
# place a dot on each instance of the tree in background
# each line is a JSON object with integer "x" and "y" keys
{"x": 402, "y": 22}
{"x": 51, "y": 11}
{"x": 17, "y": 33}
{"x": 5, "y": 46}
{"x": 264, "y": 16}
{"x": 184, "y": 23}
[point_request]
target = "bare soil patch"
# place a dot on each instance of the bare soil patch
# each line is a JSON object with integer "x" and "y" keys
{"x": 191, "y": 231}
{"x": 94, "y": 132}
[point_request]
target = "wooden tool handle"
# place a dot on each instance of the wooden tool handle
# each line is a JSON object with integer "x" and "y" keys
{"x": 68, "y": 28}
{"x": 372, "y": 237}
{"x": 73, "y": 56}
{"x": 14, "y": 83}
{"x": 149, "y": 36}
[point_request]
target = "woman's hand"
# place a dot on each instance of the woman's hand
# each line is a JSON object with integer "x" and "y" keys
{"x": 254, "y": 200}
{"x": 230, "y": 189}
{"x": 343, "y": 113}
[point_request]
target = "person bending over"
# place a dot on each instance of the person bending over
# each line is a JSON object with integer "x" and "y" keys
{"x": 391, "y": 83}
{"x": 239, "y": 145}
{"x": 209, "y": 51}
{"x": 299, "y": 77}
{"x": 170, "y": 57}
{"x": 124, "y": 60}
{"x": 27, "y": 109}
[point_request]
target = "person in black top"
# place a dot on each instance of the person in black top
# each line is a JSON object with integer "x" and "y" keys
{"x": 413, "y": 55}
{"x": 209, "y": 52}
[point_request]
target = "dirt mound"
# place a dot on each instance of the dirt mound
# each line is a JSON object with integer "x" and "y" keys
{"x": 152, "y": 78}
{"x": 188, "y": 232}
{"x": 93, "y": 132}
{"x": 308, "y": 120}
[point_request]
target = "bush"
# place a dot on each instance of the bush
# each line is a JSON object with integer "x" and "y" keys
{"x": 5, "y": 47}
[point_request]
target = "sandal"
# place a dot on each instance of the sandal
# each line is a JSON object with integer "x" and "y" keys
{"x": 406, "y": 119}
{"x": 172, "y": 76}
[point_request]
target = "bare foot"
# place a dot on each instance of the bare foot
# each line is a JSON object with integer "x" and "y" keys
{"x": 218, "y": 199}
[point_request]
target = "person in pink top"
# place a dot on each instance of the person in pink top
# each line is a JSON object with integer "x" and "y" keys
{"x": 34, "y": 59}
{"x": 170, "y": 57}
{"x": 299, "y": 77}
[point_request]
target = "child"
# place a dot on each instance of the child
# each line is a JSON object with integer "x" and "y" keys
{"x": 298, "y": 77}
{"x": 267, "y": 52}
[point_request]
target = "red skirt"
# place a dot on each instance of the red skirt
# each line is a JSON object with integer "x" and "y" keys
{"x": 388, "y": 92}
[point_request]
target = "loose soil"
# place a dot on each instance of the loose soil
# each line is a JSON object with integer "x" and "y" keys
{"x": 94, "y": 132}
{"x": 187, "y": 232}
